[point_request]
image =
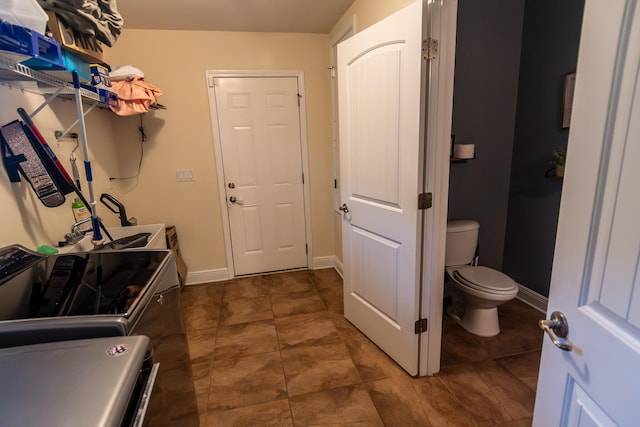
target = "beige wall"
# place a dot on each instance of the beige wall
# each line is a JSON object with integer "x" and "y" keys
{"x": 181, "y": 136}
{"x": 368, "y": 12}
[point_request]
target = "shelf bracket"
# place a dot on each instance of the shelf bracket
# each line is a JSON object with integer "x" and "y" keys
{"x": 48, "y": 101}
{"x": 67, "y": 130}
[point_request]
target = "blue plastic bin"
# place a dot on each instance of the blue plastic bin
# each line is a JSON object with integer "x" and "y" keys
{"x": 43, "y": 52}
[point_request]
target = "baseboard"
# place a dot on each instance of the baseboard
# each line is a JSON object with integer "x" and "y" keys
{"x": 327, "y": 262}
{"x": 207, "y": 276}
{"x": 338, "y": 266}
{"x": 222, "y": 274}
{"x": 532, "y": 298}
{"x": 323, "y": 262}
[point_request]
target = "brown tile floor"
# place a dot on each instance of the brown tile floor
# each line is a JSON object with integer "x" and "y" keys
{"x": 275, "y": 350}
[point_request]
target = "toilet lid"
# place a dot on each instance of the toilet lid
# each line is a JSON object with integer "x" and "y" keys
{"x": 487, "y": 278}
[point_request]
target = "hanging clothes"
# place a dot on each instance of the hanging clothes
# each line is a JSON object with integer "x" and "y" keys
{"x": 135, "y": 96}
{"x": 97, "y": 18}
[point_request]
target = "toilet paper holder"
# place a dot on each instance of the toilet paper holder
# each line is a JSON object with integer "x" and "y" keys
{"x": 460, "y": 153}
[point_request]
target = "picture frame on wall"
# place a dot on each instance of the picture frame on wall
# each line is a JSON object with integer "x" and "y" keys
{"x": 567, "y": 99}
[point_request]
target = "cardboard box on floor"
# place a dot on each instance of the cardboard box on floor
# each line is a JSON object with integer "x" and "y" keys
{"x": 172, "y": 243}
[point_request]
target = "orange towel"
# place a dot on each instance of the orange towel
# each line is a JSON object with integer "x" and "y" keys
{"x": 135, "y": 96}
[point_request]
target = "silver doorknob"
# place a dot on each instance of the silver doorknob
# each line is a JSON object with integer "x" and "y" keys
{"x": 556, "y": 327}
{"x": 344, "y": 208}
{"x": 233, "y": 199}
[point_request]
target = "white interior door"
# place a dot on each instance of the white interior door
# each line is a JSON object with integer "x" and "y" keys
{"x": 381, "y": 138}
{"x": 259, "y": 126}
{"x": 596, "y": 271}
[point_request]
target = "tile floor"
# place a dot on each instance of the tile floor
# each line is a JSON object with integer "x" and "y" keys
{"x": 275, "y": 350}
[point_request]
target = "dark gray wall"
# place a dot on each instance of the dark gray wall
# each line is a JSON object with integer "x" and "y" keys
{"x": 550, "y": 39}
{"x": 484, "y": 109}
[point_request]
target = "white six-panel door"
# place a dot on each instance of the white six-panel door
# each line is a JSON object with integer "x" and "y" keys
{"x": 259, "y": 127}
{"x": 380, "y": 148}
{"x": 596, "y": 270}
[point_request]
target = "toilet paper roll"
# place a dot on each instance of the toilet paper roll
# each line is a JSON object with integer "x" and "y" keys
{"x": 464, "y": 151}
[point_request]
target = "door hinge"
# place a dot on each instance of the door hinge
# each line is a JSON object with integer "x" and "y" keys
{"x": 335, "y": 184}
{"x": 306, "y": 249}
{"x": 302, "y": 179}
{"x": 299, "y": 98}
{"x": 421, "y": 326}
{"x": 429, "y": 49}
{"x": 425, "y": 201}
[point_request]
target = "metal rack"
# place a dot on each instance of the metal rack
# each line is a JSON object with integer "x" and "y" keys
{"x": 24, "y": 78}
{"x": 16, "y": 75}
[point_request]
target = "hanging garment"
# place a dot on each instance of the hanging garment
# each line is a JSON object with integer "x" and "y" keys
{"x": 134, "y": 96}
{"x": 98, "y": 18}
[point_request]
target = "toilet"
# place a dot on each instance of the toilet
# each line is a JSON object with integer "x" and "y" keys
{"x": 476, "y": 292}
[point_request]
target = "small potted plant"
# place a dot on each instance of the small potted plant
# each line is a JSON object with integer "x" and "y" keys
{"x": 559, "y": 156}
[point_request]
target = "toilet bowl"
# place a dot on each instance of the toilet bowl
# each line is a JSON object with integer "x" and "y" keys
{"x": 476, "y": 291}
{"x": 476, "y": 294}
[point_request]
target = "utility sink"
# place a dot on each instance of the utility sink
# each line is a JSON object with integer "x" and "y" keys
{"x": 156, "y": 238}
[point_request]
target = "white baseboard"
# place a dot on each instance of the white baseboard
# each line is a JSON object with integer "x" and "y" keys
{"x": 222, "y": 274}
{"x": 207, "y": 276}
{"x": 338, "y": 266}
{"x": 323, "y": 262}
{"x": 532, "y": 298}
{"x": 327, "y": 262}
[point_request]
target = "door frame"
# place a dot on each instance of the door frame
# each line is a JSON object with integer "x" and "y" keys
{"x": 442, "y": 26}
{"x": 346, "y": 31}
{"x": 217, "y": 145}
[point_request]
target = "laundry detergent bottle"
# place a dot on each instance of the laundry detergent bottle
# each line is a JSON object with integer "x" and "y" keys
{"x": 80, "y": 213}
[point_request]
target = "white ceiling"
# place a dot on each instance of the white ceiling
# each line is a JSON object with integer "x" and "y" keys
{"x": 290, "y": 16}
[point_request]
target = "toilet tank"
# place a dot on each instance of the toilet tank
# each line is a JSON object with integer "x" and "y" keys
{"x": 462, "y": 241}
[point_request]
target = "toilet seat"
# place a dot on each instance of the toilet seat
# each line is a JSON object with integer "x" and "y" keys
{"x": 485, "y": 279}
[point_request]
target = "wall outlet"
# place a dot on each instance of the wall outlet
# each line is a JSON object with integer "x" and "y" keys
{"x": 183, "y": 175}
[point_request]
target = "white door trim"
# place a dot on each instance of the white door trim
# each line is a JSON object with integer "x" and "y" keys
{"x": 441, "y": 27}
{"x": 346, "y": 31}
{"x": 299, "y": 74}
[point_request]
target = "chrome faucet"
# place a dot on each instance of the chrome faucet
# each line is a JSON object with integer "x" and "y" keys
{"x": 76, "y": 234}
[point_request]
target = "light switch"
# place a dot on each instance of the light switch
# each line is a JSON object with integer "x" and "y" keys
{"x": 183, "y": 175}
